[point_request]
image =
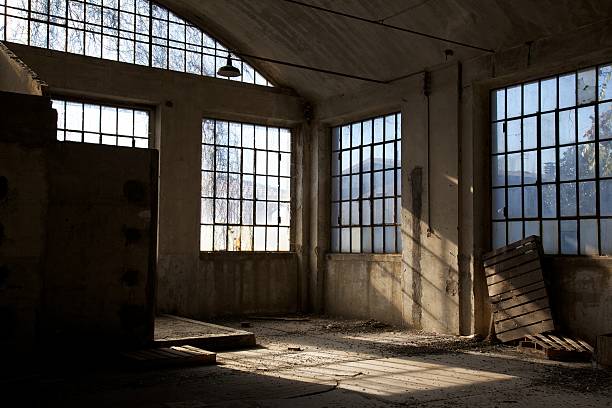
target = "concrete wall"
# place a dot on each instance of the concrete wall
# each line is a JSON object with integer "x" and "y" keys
{"x": 446, "y": 203}
{"x": 581, "y": 295}
{"x": 180, "y": 101}
{"x": 377, "y": 280}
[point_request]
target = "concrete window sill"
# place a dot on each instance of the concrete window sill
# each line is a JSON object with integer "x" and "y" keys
{"x": 365, "y": 257}
{"x": 245, "y": 255}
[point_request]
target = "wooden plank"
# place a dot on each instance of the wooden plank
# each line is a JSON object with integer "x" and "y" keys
{"x": 586, "y": 345}
{"x": 509, "y": 248}
{"x": 512, "y": 263}
{"x": 529, "y": 246}
{"x": 561, "y": 342}
{"x": 514, "y": 272}
{"x": 523, "y": 331}
{"x": 524, "y": 320}
{"x": 517, "y": 300}
{"x": 551, "y": 344}
{"x": 576, "y": 345}
{"x": 518, "y": 293}
{"x": 532, "y": 306}
{"x": 537, "y": 341}
{"x": 515, "y": 284}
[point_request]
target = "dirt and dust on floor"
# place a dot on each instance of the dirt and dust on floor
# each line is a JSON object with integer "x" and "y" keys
{"x": 325, "y": 362}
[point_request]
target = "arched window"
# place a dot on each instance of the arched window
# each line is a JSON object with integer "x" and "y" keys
{"x": 132, "y": 31}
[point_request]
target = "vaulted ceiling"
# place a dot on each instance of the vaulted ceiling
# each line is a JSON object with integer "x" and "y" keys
{"x": 290, "y": 32}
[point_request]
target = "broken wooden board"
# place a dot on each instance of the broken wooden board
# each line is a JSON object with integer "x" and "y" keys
{"x": 517, "y": 291}
{"x": 556, "y": 347}
{"x": 170, "y": 356}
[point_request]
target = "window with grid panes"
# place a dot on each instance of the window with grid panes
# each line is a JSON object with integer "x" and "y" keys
{"x": 366, "y": 186}
{"x": 246, "y": 187}
{"x": 551, "y": 146}
{"x": 132, "y": 31}
{"x": 101, "y": 124}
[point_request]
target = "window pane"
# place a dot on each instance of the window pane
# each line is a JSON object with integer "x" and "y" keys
{"x": 550, "y": 237}
{"x": 567, "y": 90}
{"x": 498, "y": 102}
{"x": 530, "y": 198}
{"x": 548, "y": 95}
{"x": 605, "y": 159}
{"x": 515, "y": 231}
{"x": 548, "y": 125}
{"x": 530, "y": 167}
{"x": 568, "y": 199}
{"x": 588, "y": 198}
{"x": 569, "y": 240}
{"x": 606, "y": 236}
{"x": 499, "y": 234}
{"x": 532, "y": 228}
{"x": 605, "y": 120}
{"x": 498, "y": 138}
{"x": 548, "y": 165}
{"x": 499, "y": 170}
{"x": 515, "y": 202}
{"x": 530, "y": 98}
{"x": 588, "y": 237}
{"x": 605, "y": 197}
{"x": 530, "y": 133}
{"x": 605, "y": 82}
{"x": 514, "y": 135}
{"x": 567, "y": 126}
{"x": 549, "y": 201}
{"x": 513, "y": 99}
{"x": 586, "y": 86}
{"x": 499, "y": 203}
{"x": 567, "y": 163}
{"x": 514, "y": 169}
{"x": 586, "y": 161}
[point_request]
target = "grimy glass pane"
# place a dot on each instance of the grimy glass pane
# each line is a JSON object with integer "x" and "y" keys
{"x": 548, "y": 94}
{"x": 390, "y": 239}
{"x": 548, "y": 165}
{"x": 378, "y": 239}
{"x": 345, "y": 213}
{"x": 586, "y": 86}
{"x": 567, "y": 126}
{"x": 206, "y": 238}
{"x": 567, "y": 197}
{"x": 515, "y": 231}
{"x": 498, "y": 138}
{"x": 567, "y": 163}
{"x": 586, "y": 161}
{"x": 356, "y": 134}
{"x": 550, "y": 236}
{"x": 345, "y": 240}
{"x": 569, "y": 237}
{"x": 335, "y": 240}
{"x": 567, "y": 90}
{"x": 549, "y": 201}
{"x": 605, "y": 159}
{"x": 605, "y": 82}
{"x": 366, "y": 132}
{"x": 589, "y": 243}
{"x": 530, "y": 200}
{"x": 530, "y": 167}
{"x": 366, "y": 212}
{"x": 499, "y": 234}
{"x": 587, "y": 197}
{"x": 513, "y": 99}
{"x": 514, "y": 169}
{"x": 530, "y": 98}
{"x": 514, "y": 135}
{"x": 498, "y": 170}
{"x": 355, "y": 240}
{"x": 606, "y": 236}
{"x": 548, "y": 126}
{"x": 586, "y": 123}
{"x": 499, "y": 203}
{"x": 605, "y": 120}
{"x": 532, "y": 228}
{"x": 355, "y": 213}
{"x": 366, "y": 239}
{"x": 248, "y": 161}
{"x": 605, "y": 197}
{"x": 530, "y": 133}
{"x": 515, "y": 202}
{"x": 498, "y": 105}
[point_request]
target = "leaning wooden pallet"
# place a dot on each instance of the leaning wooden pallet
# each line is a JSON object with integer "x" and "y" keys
{"x": 517, "y": 291}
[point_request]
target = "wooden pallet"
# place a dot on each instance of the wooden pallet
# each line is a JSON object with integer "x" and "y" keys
{"x": 517, "y": 292}
{"x": 170, "y": 356}
{"x": 556, "y": 347}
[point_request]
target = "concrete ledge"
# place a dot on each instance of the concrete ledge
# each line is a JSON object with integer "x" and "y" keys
{"x": 365, "y": 257}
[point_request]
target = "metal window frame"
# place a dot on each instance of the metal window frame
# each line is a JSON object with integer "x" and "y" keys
{"x": 336, "y": 155}
{"x": 597, "y": 178}
{"x": 254, "y": 200}
{"x": 130, "y": 34}
{"x": 106, "y": 104}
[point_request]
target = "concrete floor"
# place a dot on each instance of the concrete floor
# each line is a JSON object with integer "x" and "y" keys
{"x": 339, "y": 364}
